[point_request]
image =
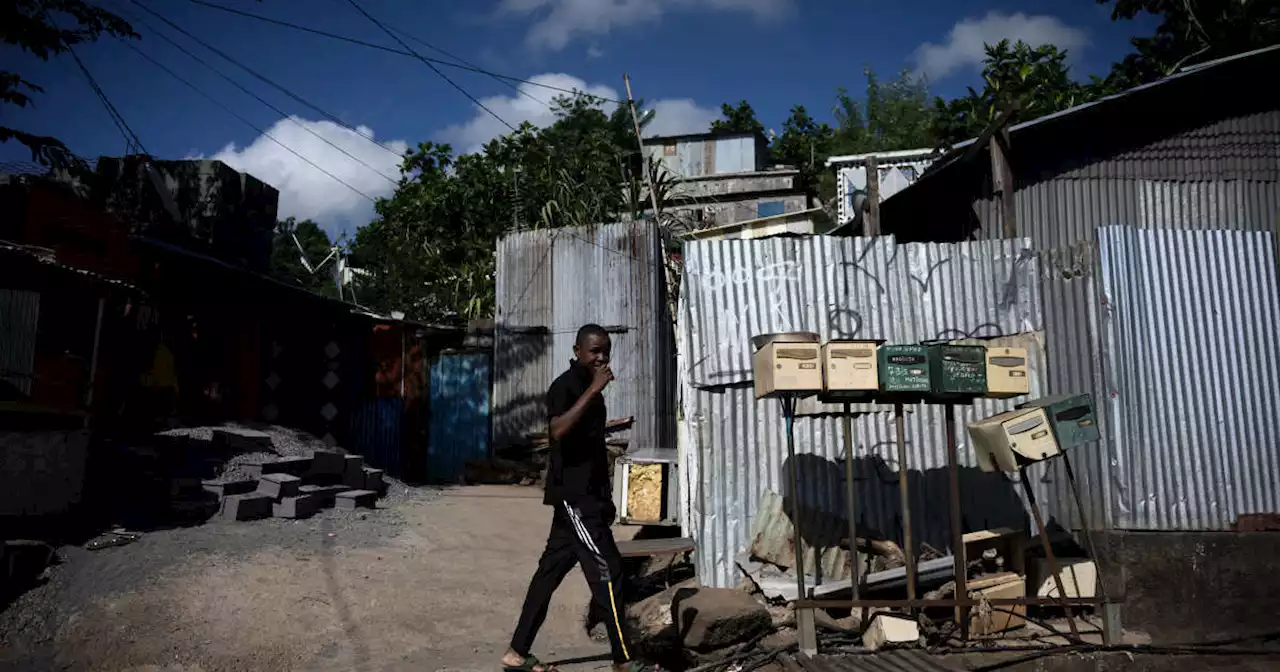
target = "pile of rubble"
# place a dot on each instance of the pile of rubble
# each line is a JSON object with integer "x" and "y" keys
{"x": 290, "y": 487}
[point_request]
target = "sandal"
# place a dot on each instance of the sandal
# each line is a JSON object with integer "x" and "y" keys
{"x": 529, "y": 664}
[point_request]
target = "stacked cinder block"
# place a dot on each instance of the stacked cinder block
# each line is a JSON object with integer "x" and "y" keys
{"x": 298, "y": 487}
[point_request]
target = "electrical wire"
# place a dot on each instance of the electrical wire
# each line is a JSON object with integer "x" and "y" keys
{"x": 372, "y": 45}
{"x": 260, "y": 99}
{"x": 245, "y": 121}
{"x": 497, "y": 78}
{"x": 259, "y": 76}
{"x": 130, "y": 138}
{"x": 431, "y": 65}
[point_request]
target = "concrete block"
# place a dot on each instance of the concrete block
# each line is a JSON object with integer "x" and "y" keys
{"x": 279, "y": 485}
{"x": 225, "y": 488}
{"x": 325, "y": 494}
{"x": 251, "y": 506}
{"x": 301, "y": 506}
{"x": 294, "y": 466}
{"x": 1079, "y": 578}
{"x": 354, "y": 499}
{"x": 983, "y": 621}
{"x": 240, "y": 439}
{"x": 888, "y": 629}
{"x": 327, "y": 462}
{"x": 373, "y": 479}
{"x": 713, "y": 618}
{"x": 353, "y": 472}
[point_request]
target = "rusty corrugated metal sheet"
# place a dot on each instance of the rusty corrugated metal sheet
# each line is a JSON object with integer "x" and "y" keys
{"x": 1189, "y": 335}
{"x": 735, "y": 450}
{"x": 550, "y": 283}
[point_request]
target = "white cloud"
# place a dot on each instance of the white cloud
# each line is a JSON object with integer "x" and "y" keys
{"x": 594, "y": 51}
{"x": 964, "y": 45}
{"x": 671, "y": 116}
{"x": 559, "y": 21}
{"x": 307, "y": 193}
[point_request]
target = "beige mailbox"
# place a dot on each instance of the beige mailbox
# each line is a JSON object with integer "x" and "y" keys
{"x": 1009, "y": 440}
{"x": 790, "y": 363}
{"x": 850, "y": 366}
{"x": 1007, "y": 372}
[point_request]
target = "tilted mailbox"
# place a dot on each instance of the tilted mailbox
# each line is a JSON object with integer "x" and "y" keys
{"x": 1072, "y": 417}
{"x": 1010, "y": 440}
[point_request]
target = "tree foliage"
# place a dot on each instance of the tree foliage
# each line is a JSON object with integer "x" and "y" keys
{"x": 1032, "y": 81}
{"x": 1189, "y": 33}
{"x": 286, "y": 259}
{"x": 737, "y": 119}
{"x": 430, "y": 250}
{"x": 35, "y": 27}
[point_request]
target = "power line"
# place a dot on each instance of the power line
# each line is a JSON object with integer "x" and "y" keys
{"x": 501, "y": 80}
{"x": 431, "y": 65}
{"x": 130, "y": 138}
{"x": 392, "y": 50}
{"x": 246, "y": 122}
{"x": 260, "y": 99}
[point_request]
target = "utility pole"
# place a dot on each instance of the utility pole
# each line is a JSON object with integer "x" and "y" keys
{"x": 644, "y": 164}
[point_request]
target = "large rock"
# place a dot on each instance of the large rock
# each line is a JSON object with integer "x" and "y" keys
{"x": 713, "y": 618}
{"x": 651, "y": 617}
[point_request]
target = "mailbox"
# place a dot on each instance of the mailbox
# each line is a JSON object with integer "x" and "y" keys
{"x": 850, "y": 368}
{"x": 1012, "y": 439}
{"x": 1072, "y": 417}
{"x": 904, "y": 369}
{"x": 787, "y": 363}
{"x": 957, "y": 371}
{"x": 1007, "y": 372}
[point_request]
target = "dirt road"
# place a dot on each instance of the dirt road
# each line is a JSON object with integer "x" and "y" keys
{"x": 432, "y": 583}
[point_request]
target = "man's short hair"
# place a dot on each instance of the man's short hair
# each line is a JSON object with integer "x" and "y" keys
{"x": 590, "y": 330}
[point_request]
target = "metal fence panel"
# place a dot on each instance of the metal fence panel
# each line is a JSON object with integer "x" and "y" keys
{"x": 1189, "y": 337}
{"x": 838, "y": 287}
{"x": 460, "y": 388}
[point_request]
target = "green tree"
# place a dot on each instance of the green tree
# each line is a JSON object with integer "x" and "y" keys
{"x": 740, "y": 119}
{"x": 1189, "y": 33}
{"x": 805, "y": 144}
{"x": 31, "y": 26}
{"x": 1033, "y": 81}
{"x": 286, "y": 259}
{"x": 430, "y": 250}
{"x": 890, "y": 116}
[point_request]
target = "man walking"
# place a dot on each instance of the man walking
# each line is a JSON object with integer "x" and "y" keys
{"x": 578, "y": 487}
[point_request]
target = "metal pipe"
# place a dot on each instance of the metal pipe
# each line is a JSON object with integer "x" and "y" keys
{"x": 1084, "y": 525}
{"x": 93, "y": 358}
{"x": 805, "y": 623}
{"x": 1048, "y": 549}
{"x": 947, "y": 602}
{"x": 957, "y": 524}
{"x": 850, "y": 493}
{"x": 908, "y": 548}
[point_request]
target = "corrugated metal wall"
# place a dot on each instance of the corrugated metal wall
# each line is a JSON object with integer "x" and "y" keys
{"x": 734, "y": 155}
{"x": 1173, "y": 332}
{"x": 1224, "y": 175}
{"x": 551, "y": 282}
{"x": 19, "y": 324}
{"x": 1190, "y": 334}
{"x": 459, "y": 427}
{"x": 840, "y": 288}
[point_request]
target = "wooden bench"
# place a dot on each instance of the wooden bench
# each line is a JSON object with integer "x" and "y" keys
{"x": 648, "y": 548}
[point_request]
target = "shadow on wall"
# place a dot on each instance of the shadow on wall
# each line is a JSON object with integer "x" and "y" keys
{"x": 987, "y": 500}
{"x": 524, "y": 368}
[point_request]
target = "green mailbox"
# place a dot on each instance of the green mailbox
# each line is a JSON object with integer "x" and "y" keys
{"x": 957, "y": 371}
{"x": 904, "y": 369}
{"x": 1072, "y": 417}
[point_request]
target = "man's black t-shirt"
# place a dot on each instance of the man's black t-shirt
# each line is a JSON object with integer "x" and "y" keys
{"x": 579, "y": 462}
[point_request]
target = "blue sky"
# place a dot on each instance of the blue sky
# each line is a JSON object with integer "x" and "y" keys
{"x": 685, "y": 58}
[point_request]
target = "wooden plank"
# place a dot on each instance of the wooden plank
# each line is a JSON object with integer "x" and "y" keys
{"x": 641, "y": 548}
{"x": 871, "y": 226}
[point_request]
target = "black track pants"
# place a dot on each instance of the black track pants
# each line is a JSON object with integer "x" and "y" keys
{"x": 579, "y": 534}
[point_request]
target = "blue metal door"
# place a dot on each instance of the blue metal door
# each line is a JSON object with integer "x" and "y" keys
{"x": 459, "y": 415}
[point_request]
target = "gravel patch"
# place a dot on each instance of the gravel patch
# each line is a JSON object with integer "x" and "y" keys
{"x": 38, "y": 618}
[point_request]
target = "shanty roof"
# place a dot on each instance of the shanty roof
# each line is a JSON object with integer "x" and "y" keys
{"x": 1195, "y": 92}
